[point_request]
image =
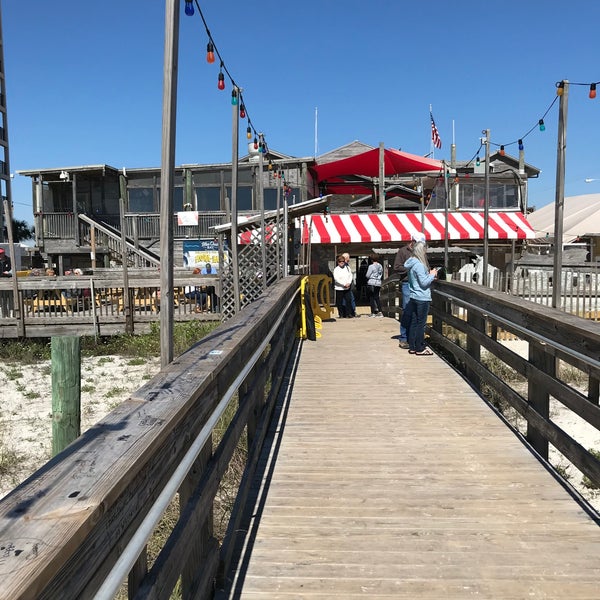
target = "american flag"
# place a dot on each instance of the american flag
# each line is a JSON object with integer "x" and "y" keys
{"x": 435, "y": 135}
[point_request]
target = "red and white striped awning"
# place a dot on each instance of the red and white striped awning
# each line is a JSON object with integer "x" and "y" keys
{"x": 399, "y": 227}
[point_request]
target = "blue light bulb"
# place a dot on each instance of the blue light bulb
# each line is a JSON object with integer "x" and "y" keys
{"x": 189, "y": 8}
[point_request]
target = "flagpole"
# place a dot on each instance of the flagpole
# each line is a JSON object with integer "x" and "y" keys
{"x": 431, "y": 146}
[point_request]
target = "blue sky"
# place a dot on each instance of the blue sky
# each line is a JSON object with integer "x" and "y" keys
{"x": 84, "y": 81}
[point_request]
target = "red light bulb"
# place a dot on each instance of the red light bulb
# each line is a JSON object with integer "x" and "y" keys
{"x": 242, "y": 111}
{"x": 592, "y": 91}
{"x": 210, "y": 53}
{"x": 221, "y": 82}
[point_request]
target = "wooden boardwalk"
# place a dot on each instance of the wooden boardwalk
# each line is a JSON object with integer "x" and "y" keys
{"x": 388, "y": 477}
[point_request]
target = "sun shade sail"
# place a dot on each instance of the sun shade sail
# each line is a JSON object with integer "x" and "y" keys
{"x": 347, "y": 175}
{"x": 398, "y": 227}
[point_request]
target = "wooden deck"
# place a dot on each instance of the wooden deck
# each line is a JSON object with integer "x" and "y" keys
{"x": 388, "y": 477}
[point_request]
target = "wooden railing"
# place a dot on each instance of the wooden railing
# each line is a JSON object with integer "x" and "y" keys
{"x": 97, "y": 304}
{"x": 78, "y": 526}
{"x": 468, "y": 323}
{"x": 138, "y": 226}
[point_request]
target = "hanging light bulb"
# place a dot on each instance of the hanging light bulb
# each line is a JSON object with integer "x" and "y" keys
{"x": 248, "y": 132}
{"x": 270, "y": 167}
{"x": 560, "y": 88}
{"x": 521, "y": 145}
{"x": 592, "y": 91}
{"x": 234, "y": 97}
{"x": 210, "y": 53}
{"x": 189, "y": 8}
{"x": 221, "y": 82}
{"x": 477, "y": 162}
{"x": 242, "y": 111}
{"x": 541, "y": 124}
{"x": 255, "y": 143}
{"x": 502, "y": 153}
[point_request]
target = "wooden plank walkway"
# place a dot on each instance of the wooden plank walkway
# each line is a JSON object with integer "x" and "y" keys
{"x": 390, "y": 478}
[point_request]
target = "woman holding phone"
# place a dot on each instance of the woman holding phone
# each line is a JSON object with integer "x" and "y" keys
{"x": 414, "y": 317}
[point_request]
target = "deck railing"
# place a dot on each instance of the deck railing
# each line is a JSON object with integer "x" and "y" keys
{"x": 143, "y": 227}
{"x": 78, "y": 526}
{"x": 98, "y": 304}
{"x": 475, "y": 327}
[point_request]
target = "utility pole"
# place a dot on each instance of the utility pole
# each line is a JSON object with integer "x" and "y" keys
{"x": 559, "y": 201}
{"x": 446, "y": 216}
{"x": 381, "y": 177}
{"x": 261, "y": 200}
{"x": 5, "y": 162}
{"x": 167, "y": 175}
{"x": 486, "y": 209}
{"x": 235, "y": 270}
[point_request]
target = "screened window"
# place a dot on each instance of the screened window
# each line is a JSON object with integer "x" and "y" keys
{"x": 502, "y": 195}
{"x": 141, "y": 200}
{"x": 208, "y": 198}
{"x": 244, "y": 198}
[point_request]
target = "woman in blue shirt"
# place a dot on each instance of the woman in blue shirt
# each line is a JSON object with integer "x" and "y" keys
{"x": 420, "y": 278}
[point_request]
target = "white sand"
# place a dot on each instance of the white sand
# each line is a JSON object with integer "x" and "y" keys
{"x": 26, "y": 427}
{"x": 26, "y": 407}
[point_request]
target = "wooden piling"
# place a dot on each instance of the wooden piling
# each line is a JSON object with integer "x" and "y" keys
{"x": 66, "y": 391}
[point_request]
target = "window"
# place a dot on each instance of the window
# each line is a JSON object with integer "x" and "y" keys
{"x": 208, "y": 198}
{"x": 502, "y": 195}
{"x": 141, "y": 200}
{"x": 244, "y": 198}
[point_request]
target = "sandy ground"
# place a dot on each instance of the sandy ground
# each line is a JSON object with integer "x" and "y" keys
{"x": 26, "y": 407}
{"x": 26, "y": 427}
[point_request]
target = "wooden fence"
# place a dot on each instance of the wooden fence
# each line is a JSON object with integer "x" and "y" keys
{"x": 99, "y": 304}
{"x": 78, "y": 527}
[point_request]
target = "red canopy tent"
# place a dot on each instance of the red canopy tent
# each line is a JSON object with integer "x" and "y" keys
{"x": 346, "y": 176}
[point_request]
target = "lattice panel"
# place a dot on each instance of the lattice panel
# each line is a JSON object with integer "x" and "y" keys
{"x": 250, "y": 265}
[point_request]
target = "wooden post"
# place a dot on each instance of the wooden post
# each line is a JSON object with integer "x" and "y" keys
{"x": 17, "y": 301}
{"x": 93, "y": 246}
{"x": 477, "y": 322}
{"x": 167, "y": 176}
{"x": 537, "y": 395}
{"x": 126, "y": 292}
{"x": 66, "y": 391}
{"x": 486, "y": 211}
{"x": 381, "y": 177}
{"x": 559, "y": 198}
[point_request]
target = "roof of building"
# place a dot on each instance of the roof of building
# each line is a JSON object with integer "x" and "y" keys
{"x": 581, "y": 218}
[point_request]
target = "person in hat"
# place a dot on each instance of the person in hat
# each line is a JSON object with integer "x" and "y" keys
{"x": 5, "y": 266}
{"x": 403, "y": 254}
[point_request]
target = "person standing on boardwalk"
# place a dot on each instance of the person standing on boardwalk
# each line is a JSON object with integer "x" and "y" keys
{"x": 351, "y": 297}
{"x": 414, "y": 317}
{"x": 5, "y": 266}
{"x": 342, "y": 279}
{"x": 374, "y": 278}
{"x": 403, "y": 254}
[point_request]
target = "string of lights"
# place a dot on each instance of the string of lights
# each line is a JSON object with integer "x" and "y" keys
{"x": 560, "y": 86}
{"x": 540, "y": 125}
{"x": 212, "y": 53}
